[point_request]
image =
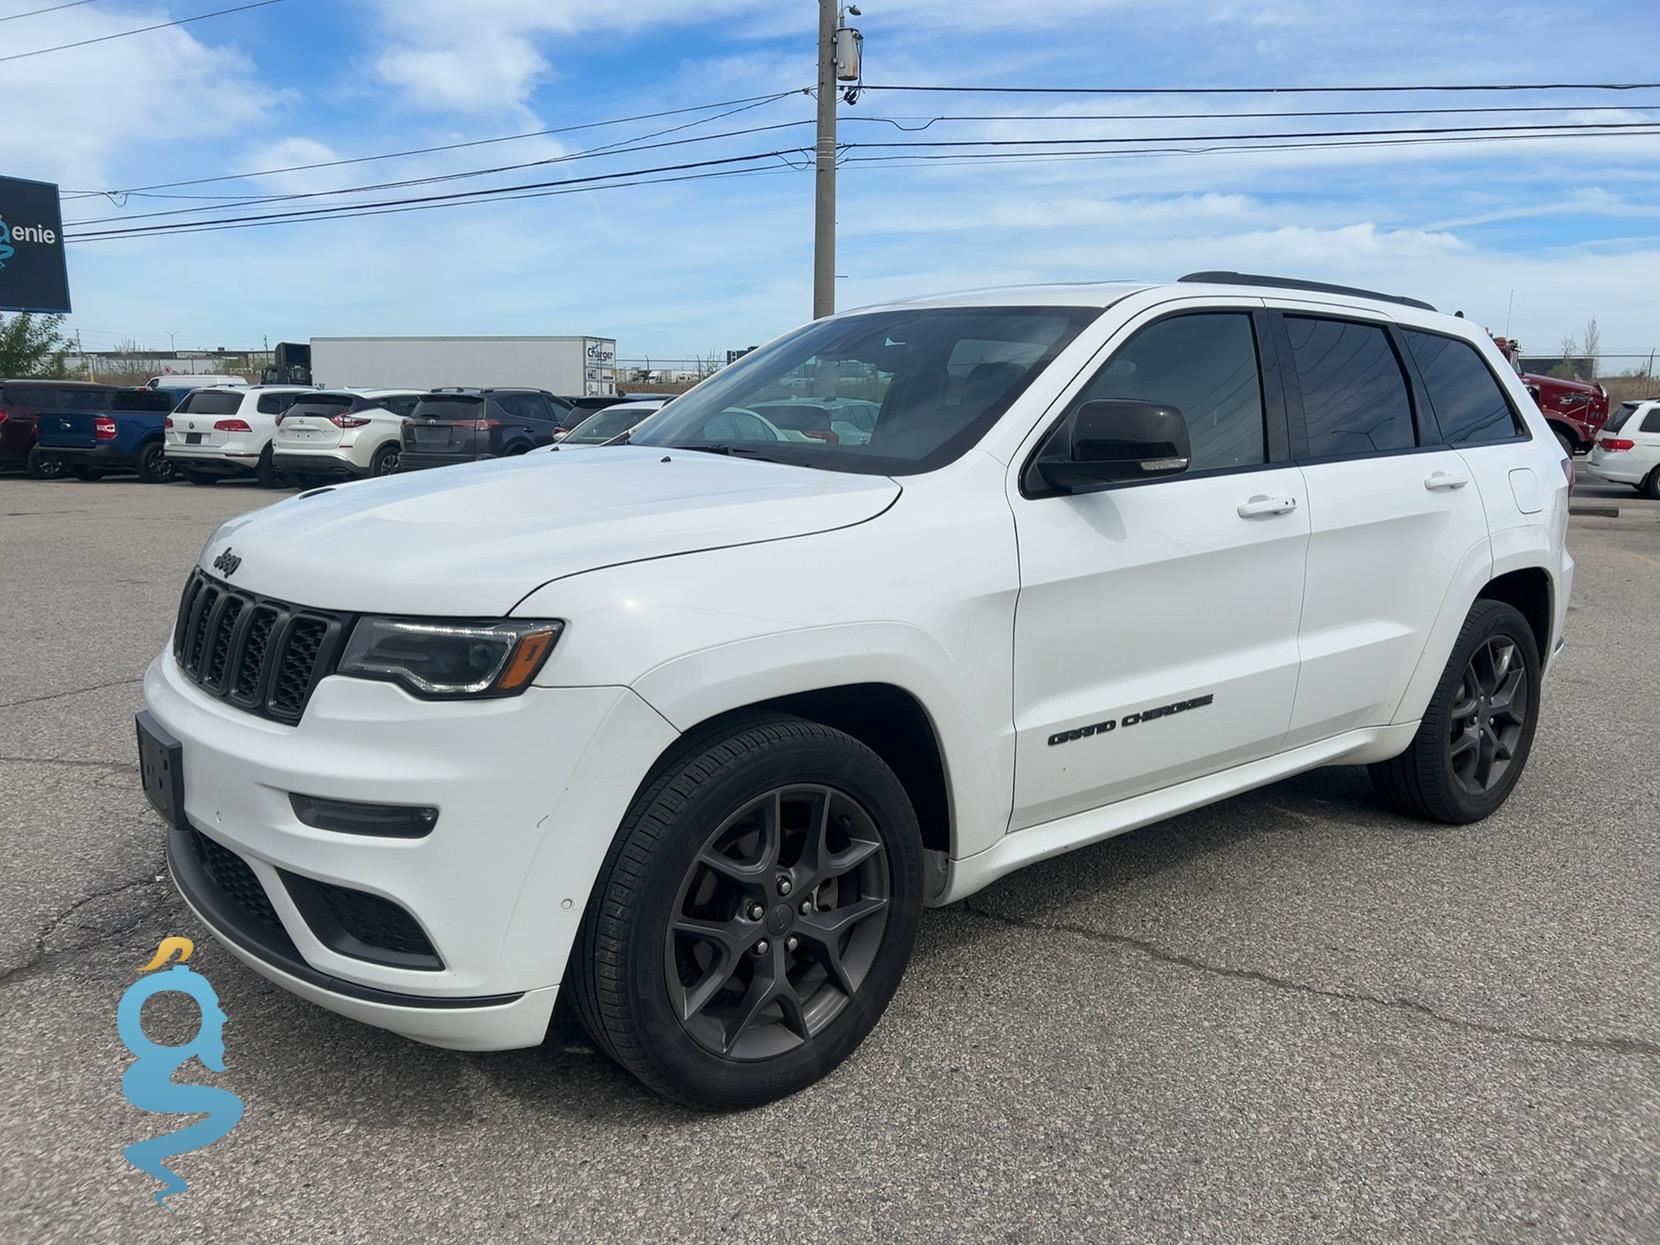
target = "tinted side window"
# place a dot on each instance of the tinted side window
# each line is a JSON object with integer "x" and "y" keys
{"x": 1469, "y": 405}
{"x": 273, "y": 404}
{"x": 1205, "y": 366}
{"x": 401, "y": 406}
{"x": 1651, "y": 421}
{"x": 1355, "y": 398}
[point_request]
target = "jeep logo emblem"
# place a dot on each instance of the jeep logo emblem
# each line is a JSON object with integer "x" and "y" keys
{"x": 227, "y": 562}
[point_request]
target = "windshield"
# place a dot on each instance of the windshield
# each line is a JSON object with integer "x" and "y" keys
{"x": 891, "y": 392}
{"x": 606, "y": 424}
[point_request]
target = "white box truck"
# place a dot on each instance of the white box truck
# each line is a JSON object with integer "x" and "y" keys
{"x": 562, "y": 365}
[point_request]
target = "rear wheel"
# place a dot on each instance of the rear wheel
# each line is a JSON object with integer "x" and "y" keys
{"x": 1473, "y": 743}
{"x": 754, "y": 915}
{"x": 1651, "y": 486}
{"x": 44, "y": 466}
{"x": 154, "y": 466}
{"x": 385, "y": 461}
{"x": 266, "y": 472}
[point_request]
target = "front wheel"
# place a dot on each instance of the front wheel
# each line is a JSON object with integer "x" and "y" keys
{"x": 1570, "y": 447}
{"x": 754, "y": 915}
{"x": 266, "y": 472}
{"x": 154, "y": 467}
{"x": 1473, "y": 742}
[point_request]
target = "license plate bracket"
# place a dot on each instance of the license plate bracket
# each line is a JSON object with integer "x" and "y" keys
{"x": 193, "y": 438}
{"x": 161, "y": 770}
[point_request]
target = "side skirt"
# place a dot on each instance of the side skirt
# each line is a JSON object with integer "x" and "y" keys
{"x": 1052, "y": 838}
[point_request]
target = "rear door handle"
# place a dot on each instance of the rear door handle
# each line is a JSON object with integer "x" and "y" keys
{"x": 1262, "y": 504}
{"x": 1439, "y": 480}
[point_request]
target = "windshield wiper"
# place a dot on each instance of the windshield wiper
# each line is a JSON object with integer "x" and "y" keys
{"x": 727, "y": 448}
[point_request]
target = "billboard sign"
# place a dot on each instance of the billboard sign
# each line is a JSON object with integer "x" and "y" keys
{"x": 33, "y": 275}
{"x": 600, "y": 366}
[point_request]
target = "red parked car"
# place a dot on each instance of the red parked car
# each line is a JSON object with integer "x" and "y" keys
{"x": 22, "y": 402}
{"x": 1575, "y": 410}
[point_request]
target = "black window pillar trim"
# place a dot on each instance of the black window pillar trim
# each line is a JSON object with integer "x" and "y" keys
{"x": 1423, "y": 409}
{"x": 1290, "y": 386}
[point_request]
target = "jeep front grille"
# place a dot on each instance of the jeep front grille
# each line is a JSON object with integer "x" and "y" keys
{"x": 256, "y": 653}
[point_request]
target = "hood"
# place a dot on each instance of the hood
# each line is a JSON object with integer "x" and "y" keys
{"x": 475, "y": 539}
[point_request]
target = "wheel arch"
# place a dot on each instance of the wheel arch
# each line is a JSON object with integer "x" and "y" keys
{"x": 1531, "y": 592}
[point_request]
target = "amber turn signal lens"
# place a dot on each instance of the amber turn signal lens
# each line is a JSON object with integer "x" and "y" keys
{"x": 526, "y": 659}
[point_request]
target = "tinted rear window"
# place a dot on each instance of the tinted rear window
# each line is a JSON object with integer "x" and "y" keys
{"x": 207, "y": 402}
{"x": 1468, "y": 402}
{"x": 448, "y": 407}
{"x": 1617, "y": 420}
{"x": 1354, "y": 392}
{"x": 324, "y": 407}
{"x": 141, "y": 400}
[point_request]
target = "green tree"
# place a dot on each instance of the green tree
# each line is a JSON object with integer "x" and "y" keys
{"x": 31, "y": 345}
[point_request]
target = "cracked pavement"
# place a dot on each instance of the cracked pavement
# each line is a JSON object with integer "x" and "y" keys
{"x": 1289, "y": 1017}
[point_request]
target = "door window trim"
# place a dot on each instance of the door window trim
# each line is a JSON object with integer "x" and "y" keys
{"x": 1275, "y": 408}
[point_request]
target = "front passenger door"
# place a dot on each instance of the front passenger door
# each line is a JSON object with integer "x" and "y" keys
{"x": 1156, "y": 627}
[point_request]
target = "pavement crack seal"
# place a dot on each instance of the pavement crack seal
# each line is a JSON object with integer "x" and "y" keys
{"x": 1609, "y": 1045}
{"x": 74, "y": 691}
{"x": 120, "y": 767}
{"x": 67, "y": 921}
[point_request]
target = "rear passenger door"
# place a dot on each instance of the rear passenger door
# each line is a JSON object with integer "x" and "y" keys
{"x": 1395, "y": 516}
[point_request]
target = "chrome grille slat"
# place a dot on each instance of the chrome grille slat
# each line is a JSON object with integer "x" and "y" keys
{"x": 259, "y": 654}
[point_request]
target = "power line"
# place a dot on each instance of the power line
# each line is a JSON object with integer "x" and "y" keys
{"x": 615, "y": 149}
{"x": 1576, "y": 126}
{"x": 323, "y": 213}
{"x": 353, "y": 211}
{"x": 1236, "y": 116}
{"x": 12, "y": 17}
{"x": 122, "y": 34}
{"x": 756, "y": 100}
{"x": 961, "y": 158}
{"x": 1267, "y": 90}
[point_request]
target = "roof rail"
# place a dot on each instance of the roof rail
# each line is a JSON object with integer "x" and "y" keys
{"x": 1291, "y": 283}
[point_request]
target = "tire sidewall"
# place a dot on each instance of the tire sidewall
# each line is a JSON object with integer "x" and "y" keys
{"x": 154, "y": 466}
{"x": 388, "y": 453}
{"x": 681, "y": 1060}
{"x": 1497, "y": 619}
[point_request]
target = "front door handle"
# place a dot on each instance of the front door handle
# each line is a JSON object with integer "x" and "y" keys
{"x": 1262, "y": 504}
{"x": 1439, "y": 480}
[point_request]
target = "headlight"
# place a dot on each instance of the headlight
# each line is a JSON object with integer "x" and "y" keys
{"x": 435, "y": 659}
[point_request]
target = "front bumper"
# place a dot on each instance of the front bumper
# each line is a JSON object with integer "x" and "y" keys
{"x": 529, "y": 790}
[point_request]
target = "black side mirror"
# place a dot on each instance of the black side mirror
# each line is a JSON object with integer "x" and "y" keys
{"x": 1112, "y": 441}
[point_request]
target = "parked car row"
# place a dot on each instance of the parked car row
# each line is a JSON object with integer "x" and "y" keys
{"x": 202, "y": 430}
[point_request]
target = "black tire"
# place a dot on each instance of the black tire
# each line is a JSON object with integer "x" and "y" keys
{"x": 198, "y": 477}
{"x": 1570, "y": 447}
{"x": 265, "y": 472}
{"x": 621, "y": 966}
{"x": 1650, "y": 487}
{"x": 385, "y": 461}
{"x": 45, "y": 466}
{"x": 154, "y": 466}
{"x": 1425, "y": 780}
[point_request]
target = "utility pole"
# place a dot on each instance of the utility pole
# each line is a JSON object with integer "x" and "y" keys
{"x": 824, "y": 167}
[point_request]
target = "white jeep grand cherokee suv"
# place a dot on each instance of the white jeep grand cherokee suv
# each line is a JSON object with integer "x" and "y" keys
{"x": 692, "y": 730}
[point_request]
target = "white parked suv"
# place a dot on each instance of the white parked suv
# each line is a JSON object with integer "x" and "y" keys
{"x": 223, "y": 432}
{"x": 342, "y": 434}
{"x": 691, "y": 730}
{"x": 1627, "y": 450}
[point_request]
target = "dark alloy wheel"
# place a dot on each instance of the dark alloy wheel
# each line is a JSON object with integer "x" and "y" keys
{"x": 385, "y": 461}
{"x": 1489, "y": 716}
{"x": 154, "y": 467}
{"x": 45, "y": 467}
{"x": 778, "y": 922}
{"x": 1473, "y": 742}
{"x": 1650, "y": 487}
{"x": 753, "y": 916}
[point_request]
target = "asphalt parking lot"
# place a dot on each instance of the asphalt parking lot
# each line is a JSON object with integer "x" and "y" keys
{"x": 1289, "y": 1017}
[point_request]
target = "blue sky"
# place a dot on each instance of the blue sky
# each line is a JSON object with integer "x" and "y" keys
{"x": 1571, "y": 225}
